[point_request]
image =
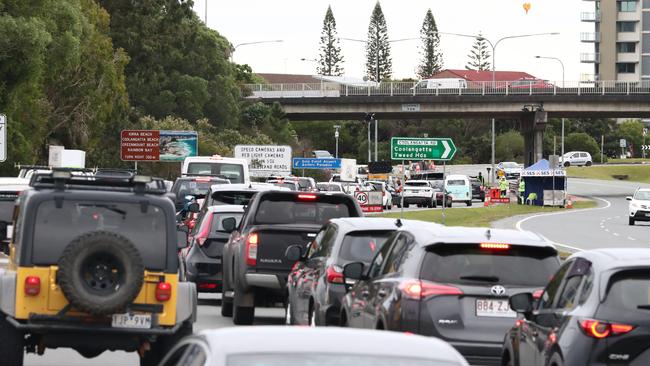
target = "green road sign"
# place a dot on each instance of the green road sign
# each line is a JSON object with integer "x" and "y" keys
{"x": 408, "y": 148}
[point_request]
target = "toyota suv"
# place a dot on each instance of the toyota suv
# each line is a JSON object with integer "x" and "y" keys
{"x": 93, "y": 266}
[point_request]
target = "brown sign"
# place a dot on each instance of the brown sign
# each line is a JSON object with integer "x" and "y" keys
{"x": 140, "y": 145}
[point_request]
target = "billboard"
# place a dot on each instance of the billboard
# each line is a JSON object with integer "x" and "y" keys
{"x": 155, "y": 145}
{"x": 265, "y": 160}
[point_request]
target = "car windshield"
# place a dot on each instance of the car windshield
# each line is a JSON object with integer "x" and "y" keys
{"x": 290, "y": 185}
{"x": 143, "y": 225}
{"x": 467, "y": 264}
{"x": 418, "y": 184}
{"x": 290, "y": 212}
{"x": 231, "y": 198}
{"x": 456, "y": 182}
{"x": 233, "y": 172}
{"x": 438, "y": 184}
{"x": 642, "y": 195}
{"x": 377, "y": 186}
{"x": 184, "y": 187}
{"x": 362, "y": 246}
{"x": 333, "y": 359}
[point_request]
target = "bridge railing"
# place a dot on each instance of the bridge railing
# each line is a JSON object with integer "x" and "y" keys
{"x": 397, "y": 88}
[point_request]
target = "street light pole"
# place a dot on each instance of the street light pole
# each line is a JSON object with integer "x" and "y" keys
{"x": 232, "y": 54}
{"x": 336, "y": 136}
{"x": 561, "y": 64}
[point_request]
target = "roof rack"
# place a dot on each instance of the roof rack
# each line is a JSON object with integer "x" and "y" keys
{"x": 204, "y": 175}
{"x": 60, "y": 179}
{"x": 27, "y": 166}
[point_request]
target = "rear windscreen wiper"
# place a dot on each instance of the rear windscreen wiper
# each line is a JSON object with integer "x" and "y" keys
{"x": 480, "y": 278}
{"x": 643, "y": 307}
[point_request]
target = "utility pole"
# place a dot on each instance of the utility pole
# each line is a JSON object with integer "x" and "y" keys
{"x": 205, "y": 19}
{"x": 336, "y": 136}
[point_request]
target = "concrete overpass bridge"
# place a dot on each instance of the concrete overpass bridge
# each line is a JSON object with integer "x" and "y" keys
{"x": 532, "y": 103}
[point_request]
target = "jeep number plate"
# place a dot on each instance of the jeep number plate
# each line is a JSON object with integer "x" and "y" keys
{"x": 131, "y": 321}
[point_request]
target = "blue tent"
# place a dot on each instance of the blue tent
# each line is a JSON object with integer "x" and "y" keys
{"x": 541, "y": 177}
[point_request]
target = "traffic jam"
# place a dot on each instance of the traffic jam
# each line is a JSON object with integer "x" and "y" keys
{"x": 106, "y": 259}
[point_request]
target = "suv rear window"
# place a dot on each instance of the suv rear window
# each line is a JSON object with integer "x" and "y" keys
{"x": 361, "y": 246}
{"x": 282, "y": 211}
{"x": 417, "y": 184}
{"x": 6, "y": 210}
{"x": 183, "y": 187}
{"x": 468, "y": 264}
{"x": 458, "y": 182}
{"x": 628, "y": 290}
{"x": 233, "y": 172}
{"x": 219, "y": 198}
{"x": 55, "y": 228}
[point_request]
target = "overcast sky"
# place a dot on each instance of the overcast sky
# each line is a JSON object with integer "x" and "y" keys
{"x": 299, "y": 22}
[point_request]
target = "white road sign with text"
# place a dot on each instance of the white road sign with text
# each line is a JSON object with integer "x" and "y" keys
{"x": 265, "y": 160}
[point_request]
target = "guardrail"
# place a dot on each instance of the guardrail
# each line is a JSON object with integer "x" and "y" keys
{"x": 329, "y": 89}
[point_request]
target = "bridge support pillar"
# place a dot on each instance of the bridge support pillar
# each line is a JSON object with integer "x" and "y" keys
{"x": 532, "y": 127}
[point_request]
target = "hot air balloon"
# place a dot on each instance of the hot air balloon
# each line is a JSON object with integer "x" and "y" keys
{"x": 527, "y": 7}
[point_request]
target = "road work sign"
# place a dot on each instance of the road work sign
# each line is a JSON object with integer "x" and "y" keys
{"x": 407, "y": 148}
{"x": 265, "y": 160}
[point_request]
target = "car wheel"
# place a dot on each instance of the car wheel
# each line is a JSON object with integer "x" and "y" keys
{"x": 165, "y": 343}
{"x": 406, "y": 205}
{"x": 588, "y": 163}
{"x": 12, "y": 343}
{"x": 556, "y": 360}
{"x": 312, "y": 318}
{"x": 343, "y": 320}
{"x": 631, "y": 221}
{"x": 469, "y": 203}
{"x": 567, "y": 164}
{"x": 287, "y": 314}
{"x": 226, "y": 302}
{"x": 242, "y": 315}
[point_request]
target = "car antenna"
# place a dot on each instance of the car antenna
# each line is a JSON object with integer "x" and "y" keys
{"x": 398, "y": 223}
{"x": 488, "y": 234}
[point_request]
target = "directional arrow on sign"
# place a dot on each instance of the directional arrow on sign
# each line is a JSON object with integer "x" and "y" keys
{"x": 447, "y": 151}
{"x": 410, "y": 148}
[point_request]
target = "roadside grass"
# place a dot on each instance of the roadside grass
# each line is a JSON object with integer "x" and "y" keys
{"x": 623, "y": 161}
{"x": 634, "y": 173}
{"x": 482, "y": 216}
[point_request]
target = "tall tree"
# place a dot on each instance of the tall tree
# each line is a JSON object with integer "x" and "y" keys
{"x": 431, "y": 62}
{"x": 330, "y": 52}
{"x": 479, "y": 56}
{"x": 379, "y": 65}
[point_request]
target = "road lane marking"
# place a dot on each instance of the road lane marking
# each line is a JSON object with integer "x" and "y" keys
{"x": 616, "y": 234}
{"x": 631, "y": 238}
{"x": 607, "y": 230}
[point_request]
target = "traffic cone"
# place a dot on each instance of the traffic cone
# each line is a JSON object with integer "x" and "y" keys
{"x": 569, "y": 203}
{"x": 487, "y": 201}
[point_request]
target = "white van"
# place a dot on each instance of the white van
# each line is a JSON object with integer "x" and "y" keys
{"x": 443, "y": 83}
{"x": 235, "y": 170}
{"x": 459, "y": 188}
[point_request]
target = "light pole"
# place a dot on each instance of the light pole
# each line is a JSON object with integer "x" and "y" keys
{"x": 232, "y": 53}
{"x": 336, "y": 136}
{"x": 378, "y": 79}
{"x": 494, "y": 48}
{"x": 561, "y": 64}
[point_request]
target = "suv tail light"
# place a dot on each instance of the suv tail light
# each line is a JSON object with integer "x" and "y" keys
{"x": 163, "y": 291}
{"x": 598, "y": 329}
{"x": 335, "y": 274}
{"x": 203, "y": 235}
{"x": 251, "y": 249}
{"x": 418, "y": 290}
{"x": 32, "y": 285}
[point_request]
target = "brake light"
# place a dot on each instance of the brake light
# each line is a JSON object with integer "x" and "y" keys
{"x": 306, "y": 197}
{"x": 418, "y": 290}
{"x": 32, "y": 285}
{"x": 335, "y": 274}
{"x": 495, "y": 246}
{"x": 191, "y": 224}
{"x": 163, "y": 291}
{"x": 203, "y": 235}
{"x": 251, "y": 249}
{"x": 600, "y": 330}
{"x": 207, "y": 286}
{"x": 202, "y": 179}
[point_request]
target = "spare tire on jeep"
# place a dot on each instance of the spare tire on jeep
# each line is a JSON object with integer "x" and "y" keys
{"x": 100, "y": 272}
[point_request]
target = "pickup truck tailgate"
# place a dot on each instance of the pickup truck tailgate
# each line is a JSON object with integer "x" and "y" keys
{"x": 275, "y": 239}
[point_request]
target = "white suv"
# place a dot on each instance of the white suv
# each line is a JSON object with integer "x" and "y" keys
{"x": 576, "y": 158}
{"x": 419, "y": 192}
{"x": 639, "y": 208}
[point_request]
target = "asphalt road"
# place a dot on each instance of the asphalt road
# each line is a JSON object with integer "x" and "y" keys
{"x": 601, "y": 227}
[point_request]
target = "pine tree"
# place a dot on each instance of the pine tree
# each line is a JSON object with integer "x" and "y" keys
{"x": 378, "y": 60}
{"x": 431, "y": 62}
{"x": 479, "y": 56}
{"x": 330, "y": 51}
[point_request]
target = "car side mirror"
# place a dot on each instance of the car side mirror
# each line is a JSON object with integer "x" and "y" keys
{"x": 229, "y": 224}
{"x": 181, "y": 233}
{"x": 353, "y": 271}
{"x": 522, "y": 303}
{"x": 294, "y": 253}
{"x": 628, "y": 198}
{"x": 193, "y": 207}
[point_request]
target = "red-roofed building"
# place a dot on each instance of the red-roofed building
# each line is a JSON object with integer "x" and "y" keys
{"x": 474, "y": 75}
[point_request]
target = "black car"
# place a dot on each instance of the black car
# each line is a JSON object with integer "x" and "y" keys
{"x": 594, "y": 311}
{"x": 202, "y": 260}
{"x": 478, "y": 191}
{"x": 255, "y": 268}
{"x": 315, "y": 285}
{"x": 197, "y": 186}
{"x": 452, "y": 283}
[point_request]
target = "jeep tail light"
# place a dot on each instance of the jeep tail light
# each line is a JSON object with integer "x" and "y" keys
{"x": 418, "y": 290}
{"x": 335, "y": 274}
{"x": 32, "y": 285}
{"x": 598, "y": 329}
{"x": 251, "y": 249}
{"x": 163, "y": 291}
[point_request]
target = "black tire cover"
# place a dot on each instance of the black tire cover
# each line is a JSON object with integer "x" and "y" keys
{"x": 101, "y": 247}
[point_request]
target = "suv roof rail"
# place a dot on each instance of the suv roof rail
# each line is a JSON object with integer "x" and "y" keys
{"x": 28, "y": 166}
{"x": 61, "y": 179}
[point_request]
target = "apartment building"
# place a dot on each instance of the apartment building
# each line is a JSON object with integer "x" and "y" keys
{"x": 621, "y": 39}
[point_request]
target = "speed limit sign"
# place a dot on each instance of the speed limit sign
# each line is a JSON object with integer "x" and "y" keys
{"x": 361, "y": 197}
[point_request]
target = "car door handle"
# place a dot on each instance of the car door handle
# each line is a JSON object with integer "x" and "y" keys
{"x": 382, "y": 293}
